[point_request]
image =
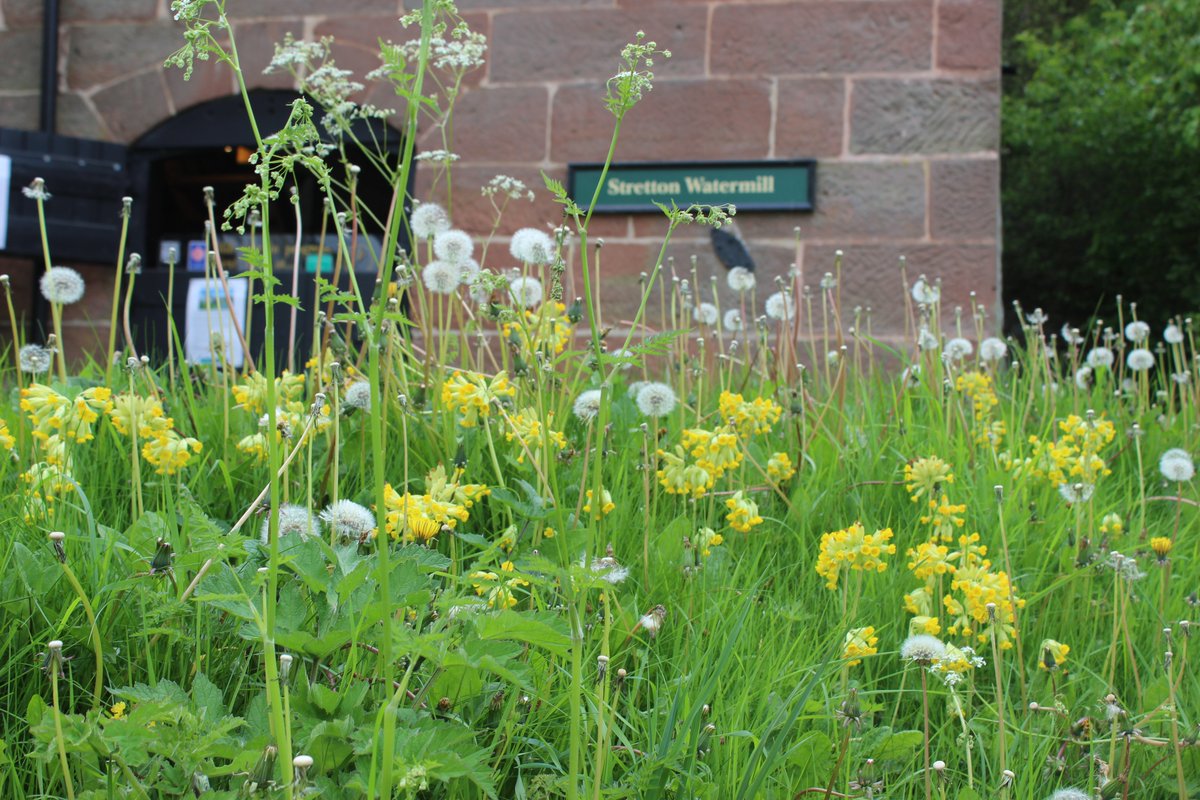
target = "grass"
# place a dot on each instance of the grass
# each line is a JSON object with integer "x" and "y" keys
{"x": 479, "y": 626}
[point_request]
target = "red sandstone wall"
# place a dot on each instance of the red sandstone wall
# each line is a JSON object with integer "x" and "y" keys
{"x": 899, "y": 99}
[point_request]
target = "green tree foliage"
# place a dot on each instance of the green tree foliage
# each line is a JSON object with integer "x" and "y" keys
{"x": 1101, "y": 169}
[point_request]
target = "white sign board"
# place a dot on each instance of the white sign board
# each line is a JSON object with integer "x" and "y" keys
{"x": 208, "y": 315}
{"x": 5, "y": 185}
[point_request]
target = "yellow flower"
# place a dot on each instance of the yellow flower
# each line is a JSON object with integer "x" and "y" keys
{"x": 779, "y": 467}
{"x": 679, "y": 477}
{"x": 859, "y": 642}
{"x": 472, "y": 396}
{"x": 855, "y": 549}
{"x": 499, "y": 593}
{"x": 743, "y": 513}
{"x": 716, "y": 452}
{"x": 547, "y": 329}
{"x": 117, "y": 711}
{"x": 7, "y": 440}
{"x": 706, "y": 539}
{"x": 148, "y": 412}
{"x": 926, "y": 476}
{"x": 1161, "y": 545}
{"x": 922, "y": 624}
{"x": 1053, "y": 654}
{"x": 169, "y": 452}
{"x": 71, "y": 418}
{"x": 528, "y": 429}
{"x": 1112, "y": 524}
{"x": 943, "y": 516}
{"x": 606, "y": 505}
{"x": 929, "y": 559}
{"x": 548, "y": 533}
{"x": 749, "y": 418}
{"x": 252, "y": 395}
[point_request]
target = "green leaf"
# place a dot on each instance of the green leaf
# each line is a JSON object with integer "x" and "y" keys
{"x": 539, "y": 629}
{"x": 207, "y": 698}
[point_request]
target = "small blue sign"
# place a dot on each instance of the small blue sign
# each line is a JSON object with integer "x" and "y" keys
{"x": 197, "y": 256}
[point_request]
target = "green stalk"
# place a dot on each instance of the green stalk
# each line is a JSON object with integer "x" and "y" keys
{"x": 57, "y": 538}
{"x": 126, "y": 206}
{"x": 54, "y": 663}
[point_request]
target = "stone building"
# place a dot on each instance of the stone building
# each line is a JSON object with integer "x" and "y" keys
{"x": 897, "y": 100}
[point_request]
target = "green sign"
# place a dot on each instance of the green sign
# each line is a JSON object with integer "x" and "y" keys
{"x": 748, "y": 185}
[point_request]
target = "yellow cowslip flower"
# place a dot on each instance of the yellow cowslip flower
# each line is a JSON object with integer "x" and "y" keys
{"x": 71, "y": 418}
{"x": 779, "y": 468}
{"x": 252, "y": 395}
{"x": 169, "y": 452}
{"x": 443, "y": 489}
{"x": 853, "y": 548}
{"x": 978, "y": 387}
{"x": 409, "y": 517}
{"x": 716, "y": 451}
{"x": 957, "y": 660}
{"x": 528, "y": 429}
{"x": 926, "y": 476}
{"x": 547, "y": 329}
{"x": 679, "y": 477}
{"x": 7, "y": 440}
{"x": 254, "y": 445}
{"x": 500, "y": 592}
{"x": 117, "y": 711}
{"x": 706, "y": 539}
{"x": 606, "y": 504}
{"x": 978, "y": 587}
{"x": 743, "y": 512}
{"x": 1052, "y": 655}
{"x": 749, "y": 417}
{"x": 48, "y": 482}
{"x": 919, "y": 602}
{"x": 859, "y": 642}
{"x": 943, "y": 516}
{"x": 1161, "y": 545}
{"x": 1112, "y": 524}
{"x": 472, "y": 396}
{"x": 929, "y": 559}
{"x": 148, "y": 411}
{"x": 924, "y": 625}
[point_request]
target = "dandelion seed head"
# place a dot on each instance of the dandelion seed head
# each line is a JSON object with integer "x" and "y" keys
{"x": 1137, "y": 331}
{"x": 526, "y": 291}
{"x": 740, "y": 279}
{"x": 1172, "y": 334}
{"x": 34, "y": 359}
{"x": 993, "y": 349}
{"x": 454, "y": 246}
{"x": 1076, "y": 492}
{"x": 780, "y": 306}
{"x": 62, "y": 286}
{"x": 294, "y": 520}
{"x": 656, "y": 399}
{"x": 1177, "y": 465}
{"x": 531, "y": 246}
{"x": 1071, "y": 794}
{"x": 1100, "y": 358}
{"x": 348, "y": 520}
{"x": 958, "y": 348}
{"x": 587, "y": 405}
{"x": 1140, "y": 359}
{"x": 1070, "y": 335}
{"x": 468, "y": 270}
{"x": 926, "y": 339}
{"x": 358, "y": 395}
{"x": 925, "y": 292}
{"x": 706, "y": 314}
{"x": 733, "y": 320}
{"x": 1083, "y": 378}
{"x": 428, "y": 220}
{"x": 441, "y": 277}
{"x": 922, "y": 649}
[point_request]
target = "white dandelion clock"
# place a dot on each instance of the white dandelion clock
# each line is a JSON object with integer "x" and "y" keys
{"x": 441, "y": 277}
{"x": 531, "y": 246}
{"x": 1176, "y": 465}
{"x": 926, "y": 340}
{"x": 62, "y": 286}
{"x": 910, "y": 378}
{"x": 922, "y": 649}
{"x": 454, "y": 246}
{"x": 627, "y": 359}
{"x": 656, "y": 400}
{"x": 1075, "y": 493}
{"x": 468, "y": 271}
{"x": 958, "y": 348}
{"x": 1172, "y": 334}
{"x": 1071, "y": 335}
{"x": 925, "y": 292}
{"x": 706, "y": 314}
{"x": 428, "y": 220}
{"x": 349, "y": 521}
{"x": 1140, "y": 359}
{"x": 1137, "y": 331}
{"x": 358, "y": 395}
{"x": 294, "y": 520}
{"x": 733, "y": 320}
{"x": 1100, "y": 358}
{"x": 609, "y": 570}
{"x": 780, "y": 306}
{"x": 993, "y": 349}
{"x": 635, "y": 389}
{"x": 587, "y": 405}
{"x": 526, "y": 291}
{"x": 1083, "y": 378}
{"x": 1071, "y": 793}
{"x": 34, "y": 359}
{"x": 740, "y": 280}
